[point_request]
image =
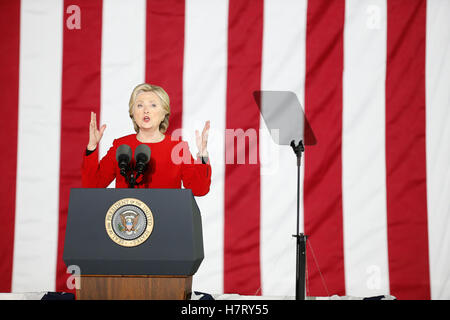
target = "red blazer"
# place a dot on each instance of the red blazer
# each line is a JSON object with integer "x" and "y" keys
{"x": 170, "y": 165}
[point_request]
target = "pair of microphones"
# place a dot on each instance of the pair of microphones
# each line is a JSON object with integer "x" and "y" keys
{"x": 124, "y": 156}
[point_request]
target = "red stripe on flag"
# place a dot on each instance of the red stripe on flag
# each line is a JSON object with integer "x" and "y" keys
{"x": 323, "y": 167}
{"x": 80, "y": 94}
{"x": 406, "y": 151}
{"x": 165, "y": 52}
{"x": 9, "y": 84}
{"x": 242, "y": 272}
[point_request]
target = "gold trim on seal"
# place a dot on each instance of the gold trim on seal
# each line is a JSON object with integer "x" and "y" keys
{"x": 109, "y": 217}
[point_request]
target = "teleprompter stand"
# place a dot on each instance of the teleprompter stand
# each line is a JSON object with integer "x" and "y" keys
{"x": 286, "y": 121}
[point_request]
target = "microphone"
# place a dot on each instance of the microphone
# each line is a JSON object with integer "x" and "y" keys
{"x": 123, "y": 157}
{"x": 142, "y": 157}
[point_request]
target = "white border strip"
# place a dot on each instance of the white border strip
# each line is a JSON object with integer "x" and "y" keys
{"x": 204, "y": 98}
{"x": 37, "y": 200}
{"x": 363, "y": 148}
{"x": 438, "y": 142}
{"x": 283, "y": 68}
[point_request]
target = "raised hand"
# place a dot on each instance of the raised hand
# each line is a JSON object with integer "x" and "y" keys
{"x": 202, "y": 140}
{"x": 95, "y": 135}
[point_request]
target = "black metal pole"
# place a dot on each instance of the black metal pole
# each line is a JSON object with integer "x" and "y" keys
{"x": 301, "y": 238}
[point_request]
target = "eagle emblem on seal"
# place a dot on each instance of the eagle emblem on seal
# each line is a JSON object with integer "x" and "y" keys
{"x": 129, "y": 220}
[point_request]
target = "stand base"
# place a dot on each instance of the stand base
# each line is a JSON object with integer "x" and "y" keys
{"x": 300, "y": 266}
{"x": 134, "y": 287}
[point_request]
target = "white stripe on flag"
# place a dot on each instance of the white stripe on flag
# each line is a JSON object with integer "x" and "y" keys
{"x": 363, "y": 149}
{"x": 204, "y": 97}
{"x": 438, "y": 142}
{"x": 123, "y": 66}
{"x": 36, "y": 224}
{"x": 283, "y": 68}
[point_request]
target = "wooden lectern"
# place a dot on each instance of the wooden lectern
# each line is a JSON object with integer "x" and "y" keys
{"x": 134, "y": 287}
{"x": 134, "y": 243}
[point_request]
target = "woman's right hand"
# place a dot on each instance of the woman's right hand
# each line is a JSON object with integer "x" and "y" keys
{"x": 95, "y": 135}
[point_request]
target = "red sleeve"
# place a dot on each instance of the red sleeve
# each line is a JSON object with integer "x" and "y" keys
{"x": 196, "y": 176}
{"x": 96, "y": 174}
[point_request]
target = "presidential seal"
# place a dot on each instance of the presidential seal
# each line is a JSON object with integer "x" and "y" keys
{"x": 129, "y": 222}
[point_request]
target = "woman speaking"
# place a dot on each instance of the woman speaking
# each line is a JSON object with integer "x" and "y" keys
{"x": 170, "y": 164}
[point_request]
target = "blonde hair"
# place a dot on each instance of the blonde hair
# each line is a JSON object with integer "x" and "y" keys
{"x": 165, "y": 103}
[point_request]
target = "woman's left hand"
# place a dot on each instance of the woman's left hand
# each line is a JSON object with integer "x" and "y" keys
{"x": 202, "y": 140}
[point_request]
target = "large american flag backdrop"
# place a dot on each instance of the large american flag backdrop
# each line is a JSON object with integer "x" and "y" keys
{"x": 373, "y": 77}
